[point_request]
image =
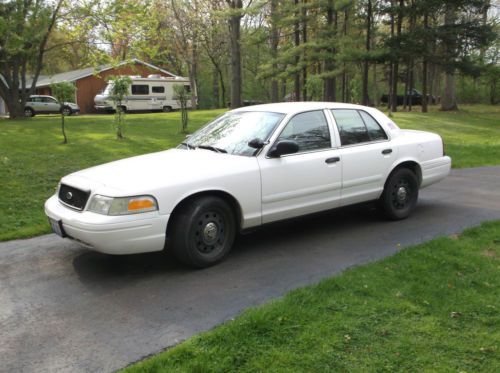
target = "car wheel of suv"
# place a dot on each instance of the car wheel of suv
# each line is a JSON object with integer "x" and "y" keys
{"x": 66, "y": 111}
{"x": 400, "y": 194}
{"x": 29, "y": 112}
{"x": 203, "y": 231}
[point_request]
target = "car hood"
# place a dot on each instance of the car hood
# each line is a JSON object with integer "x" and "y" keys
{"x": 149, "y": 172}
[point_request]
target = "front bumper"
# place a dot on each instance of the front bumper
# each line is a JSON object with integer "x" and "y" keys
{"x": 128, "y": 234}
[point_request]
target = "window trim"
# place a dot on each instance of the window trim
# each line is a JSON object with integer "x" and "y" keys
{"x": 280, "y": 131}
{"x": 359, "y": 143}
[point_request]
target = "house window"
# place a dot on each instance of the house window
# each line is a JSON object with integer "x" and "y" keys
{"x": 140, "y": 89}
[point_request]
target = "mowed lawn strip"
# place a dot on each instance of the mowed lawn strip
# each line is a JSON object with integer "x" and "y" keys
{"x": 434, "y": 307}
{"x": 32, "y": 159}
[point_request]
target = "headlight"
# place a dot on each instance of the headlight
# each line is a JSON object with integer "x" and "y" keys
{"x": 122, "y": 205}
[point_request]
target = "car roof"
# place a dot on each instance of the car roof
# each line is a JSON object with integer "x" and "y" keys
{"x": 297, "y": 107}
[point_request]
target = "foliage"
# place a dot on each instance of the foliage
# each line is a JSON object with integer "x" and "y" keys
{"x": 25, "y": 27}
{"x": 472, "y": 138}
{"x": 431, "y": 307}
{"x": 182, "y": 96}
{"x": 120, "y": 86}
{"x": 63, "y": 91}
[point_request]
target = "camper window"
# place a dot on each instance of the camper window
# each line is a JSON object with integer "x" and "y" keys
{"x": 140, "y": 89}
{"x": 187, "y": 88}
{"x": 158, "y": 89}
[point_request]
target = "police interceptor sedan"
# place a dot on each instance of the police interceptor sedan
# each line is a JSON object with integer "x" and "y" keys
{"x": 248, "y": 167}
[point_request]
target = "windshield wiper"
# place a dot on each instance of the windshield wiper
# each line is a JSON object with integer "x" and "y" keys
{"x": 212, "y": 148}
{"x": 189, "y": 146}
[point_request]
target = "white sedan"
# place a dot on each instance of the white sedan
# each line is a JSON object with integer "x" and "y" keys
{"x": 248, "y": 167}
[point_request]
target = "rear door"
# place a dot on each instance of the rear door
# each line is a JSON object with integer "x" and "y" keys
{"x": 367, "y": 155}
{"x": 51, "y": 105}
{"x": 304, "y": 182}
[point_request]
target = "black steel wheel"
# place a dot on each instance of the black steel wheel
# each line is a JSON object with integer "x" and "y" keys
{"x": 400, "y": 194}
{"x": 203, "y": 231}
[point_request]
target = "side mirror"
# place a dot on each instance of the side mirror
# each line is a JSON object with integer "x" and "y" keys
{"x": 283, "y": 147}
{"x": 256, "y": 143}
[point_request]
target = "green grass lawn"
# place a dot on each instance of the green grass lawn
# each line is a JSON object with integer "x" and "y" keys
{"x": 434, "y": 307}
{"x": 32, "y": 159}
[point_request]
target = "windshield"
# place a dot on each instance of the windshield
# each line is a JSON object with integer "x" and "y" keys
{"x": 231, "y": 132}
{"x": 108, "y": 89}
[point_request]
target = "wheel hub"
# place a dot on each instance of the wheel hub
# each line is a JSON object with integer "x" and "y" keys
{"x": 210, "y": 232}
{"x": 401, "y": 194}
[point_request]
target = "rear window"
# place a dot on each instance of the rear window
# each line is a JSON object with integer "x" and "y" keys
{"x": 140, "y": 89}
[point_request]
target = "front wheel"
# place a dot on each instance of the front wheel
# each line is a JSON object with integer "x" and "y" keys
{"x": 203, "y": 231}
{"x": 400, "y": 194}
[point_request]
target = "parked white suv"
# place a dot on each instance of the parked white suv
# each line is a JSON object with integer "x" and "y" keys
{"x": 39, "y": 104}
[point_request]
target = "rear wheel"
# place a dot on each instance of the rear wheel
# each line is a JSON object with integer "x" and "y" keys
{"x": 66, "y": 111}
{"x": 400, "y": 194}
{"x": 167, "y": 109}
{"x": 29, "y": 112}
{"x": 203, "y": 231}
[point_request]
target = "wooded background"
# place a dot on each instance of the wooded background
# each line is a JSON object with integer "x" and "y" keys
{"x": 266, "y": 50}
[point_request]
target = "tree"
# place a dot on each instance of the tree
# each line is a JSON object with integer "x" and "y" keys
{"x": 235, "y": 15}
{"x": 25, "y": 27}
{"x": 63, "y": 91}
{"x": 182, "y": 96}
{"x": 120, "y": 86}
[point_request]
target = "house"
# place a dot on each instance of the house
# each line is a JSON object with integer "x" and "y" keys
{"x": 91, "y": 81}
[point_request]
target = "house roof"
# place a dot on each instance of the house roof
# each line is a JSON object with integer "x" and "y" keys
{"x": 71, "y": 76}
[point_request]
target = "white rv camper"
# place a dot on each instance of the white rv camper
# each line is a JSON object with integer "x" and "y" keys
{"x": 146, "y": 94}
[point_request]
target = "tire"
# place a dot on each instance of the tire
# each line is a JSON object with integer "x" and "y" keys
{"x": 66, "y": 111}
{"x": 29, "y": 112}
{"x": 400, "y": 194}
{"x": 167, "y": 109}
{"x": 124, "y": 109}
{"x": 203, "y": 231}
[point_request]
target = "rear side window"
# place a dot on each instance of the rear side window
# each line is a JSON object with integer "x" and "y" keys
{"x": 140, "y": 89}
{"x": 158, "y": 89}
{"x": 357, "y": 127}
{"x": 309, "y": 130}
{"x": 375, "y": 132}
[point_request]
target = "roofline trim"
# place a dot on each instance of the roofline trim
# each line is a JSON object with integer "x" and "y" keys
{"x": 108, "y": 67}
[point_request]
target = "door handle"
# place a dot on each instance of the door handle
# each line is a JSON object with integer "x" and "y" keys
{"x": 332, "y": 160}
{"x": 386, "y": 151}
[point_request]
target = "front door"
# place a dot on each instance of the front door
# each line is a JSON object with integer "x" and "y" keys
{"x": 304, "y": 182}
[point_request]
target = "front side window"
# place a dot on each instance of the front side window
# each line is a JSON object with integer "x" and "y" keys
{"x": 356, "y": 127}
{"x": 140, "y": 89}
{"x": 309, "y": 130}
{"x": 231, "y": 132}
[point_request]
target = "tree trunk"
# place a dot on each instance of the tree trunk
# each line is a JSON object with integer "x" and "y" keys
{"x": 274, "y": 51}
{"x": 365, "y": 100}
{"x": 234, "y": 33}
{"x": 304, "y": 56}
{"x": 215, "y": 89}
{"x": 330, "y": 87}
{"x": 424, "y": 66}
{"x": 391, "y": 64}
{"x": 297, "y": 57}
{"x": 449, "y": 100}
{"x": 394, "y": 105}
{"x": 345, "y": 78}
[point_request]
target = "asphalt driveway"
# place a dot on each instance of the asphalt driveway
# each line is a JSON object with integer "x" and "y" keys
{"x": 64, "y": 308}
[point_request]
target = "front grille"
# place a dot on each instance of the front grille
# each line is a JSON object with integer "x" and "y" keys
{"x": 73, "y": 197}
